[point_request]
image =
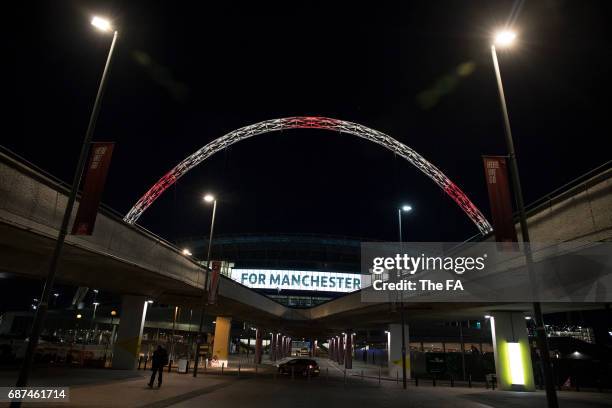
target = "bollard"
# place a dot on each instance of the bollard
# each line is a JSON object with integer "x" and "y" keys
{"x": 222, "y": 367}
{"x": 396, "y": 377}
{"x": 145, "y": 362}
{"x": 238, "y": 369}
{"x": 452, "y": 381}
{"x": 470, "y": 381}
{"x": 255, "y": 370}
{"x": 416, "y": 381}
{"x": 434, "y": 380}
{"x": 170, "y": 366}
{"x": 379, "y": 375}
{"x": 293, "y": 373}
{"x": 327, "y": 375}
{"x": 139, "y": 361}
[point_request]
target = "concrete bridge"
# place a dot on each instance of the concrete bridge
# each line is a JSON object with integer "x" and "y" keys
{"x": 130, "y": 260}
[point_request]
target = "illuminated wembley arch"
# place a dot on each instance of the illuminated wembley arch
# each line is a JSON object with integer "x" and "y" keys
{"x": 310, "y": 122}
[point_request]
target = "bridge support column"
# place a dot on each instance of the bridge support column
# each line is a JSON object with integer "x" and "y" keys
{"x": 279, "y": 346}
{"x": 272, "y": 346}
{"x": 348, "y": 351}
{"x": 126, "y": 349}
{"x": 394, "y": 350}
{"x": 223, "y": 326}
{"x": 258, "y": 348}
{"x": 341, "y": 349}
{"x": 282, "y": 343}
{"x": 512, "y": 352}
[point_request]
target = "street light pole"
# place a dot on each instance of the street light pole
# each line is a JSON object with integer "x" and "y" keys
{"x": 542, "y": 342}
{"x": 208, "y": 198}
{"x": 405, "y": 208}
{"x": 43, "y": 306}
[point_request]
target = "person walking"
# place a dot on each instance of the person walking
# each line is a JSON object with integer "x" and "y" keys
{"x": 159, "y": 360}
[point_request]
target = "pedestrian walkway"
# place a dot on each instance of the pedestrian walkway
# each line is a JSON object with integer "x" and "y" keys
{"x": 114, "y": 388}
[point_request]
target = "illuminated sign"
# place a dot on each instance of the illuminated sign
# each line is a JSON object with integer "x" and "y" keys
{"x": 515, "y": 360}
{"x": 297, "y": 280}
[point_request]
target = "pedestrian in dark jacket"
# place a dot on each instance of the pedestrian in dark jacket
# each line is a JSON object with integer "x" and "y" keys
{"x": 159, "y": 360}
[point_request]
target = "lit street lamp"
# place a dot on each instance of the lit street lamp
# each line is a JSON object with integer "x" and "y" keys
{"x": 22, "y": 380}
{"x": 505, "y": 39}
{"x": 405, "y": 208}
{"x": 209, "y": 199}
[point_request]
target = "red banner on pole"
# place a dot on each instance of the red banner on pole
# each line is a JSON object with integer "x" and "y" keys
{"x": 213, "y": 287}
{"x": 499, "y": 198}
{"x": 95, "y": 178}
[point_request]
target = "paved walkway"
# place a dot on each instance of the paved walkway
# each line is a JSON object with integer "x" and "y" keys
{"x": 111, "y": 388}
{"x": 318, "y": 393}
{"x": 114, "y": 388}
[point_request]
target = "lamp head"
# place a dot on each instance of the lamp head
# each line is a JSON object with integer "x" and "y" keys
{"x": 504, "y": 38}
{"x": 101, "y": 24}
{"x": 209, "y": 198}
{"x": 406, "y": 208}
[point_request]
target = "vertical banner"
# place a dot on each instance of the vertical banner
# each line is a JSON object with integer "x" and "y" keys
{"x": 499, "y": 198}
{"x": 213, "y": 286}
{"x": 95, "y": 178}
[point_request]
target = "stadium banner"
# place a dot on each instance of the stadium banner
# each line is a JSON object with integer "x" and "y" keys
{"x": 95, "y": 178}
{"x": 499, "y": 198}
{"x": 297, "y": 280}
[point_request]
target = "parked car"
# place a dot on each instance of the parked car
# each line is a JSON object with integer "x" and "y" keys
{"x": 300, "y": 367}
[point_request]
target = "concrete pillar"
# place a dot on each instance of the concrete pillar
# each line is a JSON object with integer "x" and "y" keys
{"x": 222, "y": 338}
{"x": 332, "y": 349}
{"x": 126, "y": 349}
{"x": 258, "y": 348}
{"x": 341, "y": 349}
{"x": 394, "y": 350}
{"x": 348, "y": 354}
{"x": 512, "y": 352}
{"x": 273, "y": 347}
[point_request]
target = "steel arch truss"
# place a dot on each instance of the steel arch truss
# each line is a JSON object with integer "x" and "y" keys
{"x": 307, "y": 122}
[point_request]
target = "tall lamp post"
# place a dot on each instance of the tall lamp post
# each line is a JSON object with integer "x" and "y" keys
{"x": 41, "y": 311}
{"x": 504, "y": 39}
{"x": 93, "y": 315}
{"x": 404, "y": 208}
{"x": 208, "y": 198}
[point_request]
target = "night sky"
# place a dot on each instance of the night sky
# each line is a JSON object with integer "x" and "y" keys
{"x": 420, "y": 72}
